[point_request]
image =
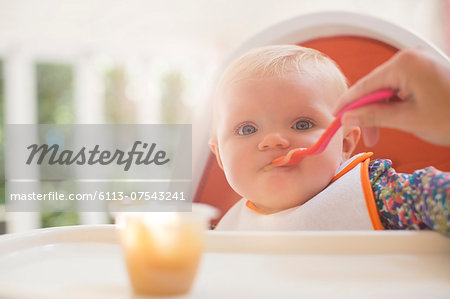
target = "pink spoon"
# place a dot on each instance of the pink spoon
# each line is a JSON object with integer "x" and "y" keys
{"x": 296, "y": 155}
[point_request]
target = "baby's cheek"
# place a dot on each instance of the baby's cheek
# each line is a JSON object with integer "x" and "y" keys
{"x": 331, "y": 158}
{"x": 322, "y": 169}
{"x": 236, "y": 175}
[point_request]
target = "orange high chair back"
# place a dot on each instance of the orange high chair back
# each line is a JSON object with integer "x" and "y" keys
{"x": 358, "y": 44}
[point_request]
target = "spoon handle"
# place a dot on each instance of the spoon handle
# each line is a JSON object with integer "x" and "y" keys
{"x": 377, "y": 96}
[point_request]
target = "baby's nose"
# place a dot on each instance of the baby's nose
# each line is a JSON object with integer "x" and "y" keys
{"x": 272, "y": 141}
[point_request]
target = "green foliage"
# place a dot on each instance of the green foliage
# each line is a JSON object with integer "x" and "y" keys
{"x": 55, "y": 93}
{"x": 51, "y": 219}
{"x": 55, "y": 106}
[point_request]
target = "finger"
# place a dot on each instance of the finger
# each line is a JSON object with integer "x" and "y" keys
{"x": 370, "y": 135}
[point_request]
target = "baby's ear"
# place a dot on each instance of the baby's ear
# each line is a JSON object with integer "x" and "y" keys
{"x": 350, "y": 140}
{"x": 213, "y": 145}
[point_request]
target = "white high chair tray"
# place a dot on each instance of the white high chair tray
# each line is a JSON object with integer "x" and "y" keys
{"x": 86, "y": 262}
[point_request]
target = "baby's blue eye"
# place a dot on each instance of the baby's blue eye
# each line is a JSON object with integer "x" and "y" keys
{"x": 247, "y": 130}
{"x": 302, "y": 125}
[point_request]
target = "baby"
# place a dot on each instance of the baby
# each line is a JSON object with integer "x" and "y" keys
{"x": 277, "y": 98}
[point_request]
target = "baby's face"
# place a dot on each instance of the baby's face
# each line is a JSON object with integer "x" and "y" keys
{"x": 262, "y": 119}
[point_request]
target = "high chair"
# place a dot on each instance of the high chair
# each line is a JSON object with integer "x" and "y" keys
{"x": 358, "y": 43}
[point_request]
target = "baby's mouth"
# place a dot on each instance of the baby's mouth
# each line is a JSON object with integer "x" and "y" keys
{"x": 271, "y": 166}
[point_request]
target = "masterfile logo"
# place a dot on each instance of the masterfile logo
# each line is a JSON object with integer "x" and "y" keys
{"x": 98, "y": 152}
{"x": 94, "y": 156}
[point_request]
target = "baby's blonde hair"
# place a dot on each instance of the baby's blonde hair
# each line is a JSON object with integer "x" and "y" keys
{"x": 278, "y": 61}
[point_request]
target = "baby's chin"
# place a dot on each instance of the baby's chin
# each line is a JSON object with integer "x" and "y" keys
{"x": 278, "y": 180}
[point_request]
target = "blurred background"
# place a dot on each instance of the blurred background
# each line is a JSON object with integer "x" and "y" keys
{"x": 143, "y": 61}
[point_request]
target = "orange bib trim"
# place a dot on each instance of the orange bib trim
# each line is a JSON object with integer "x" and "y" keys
{"x": 352, "y": 165}
{"x": 252, "y": 207}
{"x": 368, "y": 196}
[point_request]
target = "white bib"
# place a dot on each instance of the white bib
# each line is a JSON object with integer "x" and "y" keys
{"x": 340, "y": 206}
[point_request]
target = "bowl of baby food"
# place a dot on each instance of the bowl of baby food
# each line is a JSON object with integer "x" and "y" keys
{"x": 162, "y": 250}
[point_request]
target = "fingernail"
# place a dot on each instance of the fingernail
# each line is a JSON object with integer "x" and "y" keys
{"x": 351, "y": 121}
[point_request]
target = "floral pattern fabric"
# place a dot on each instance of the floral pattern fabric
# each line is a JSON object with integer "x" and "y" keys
{"x": 411, "y": 201}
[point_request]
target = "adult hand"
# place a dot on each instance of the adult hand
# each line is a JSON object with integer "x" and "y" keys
{"x": 422, "y": 83}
